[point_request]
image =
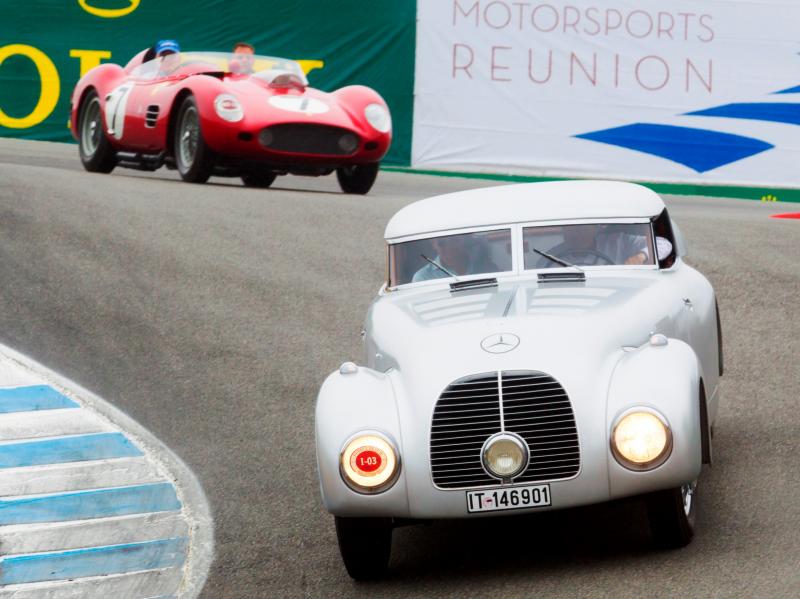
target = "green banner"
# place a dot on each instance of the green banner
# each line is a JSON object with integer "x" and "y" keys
{"x": 45, "y": 46}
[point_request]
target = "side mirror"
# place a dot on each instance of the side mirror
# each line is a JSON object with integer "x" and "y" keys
{"x": 680, "y": 242}
{"x": 663, "y": 248}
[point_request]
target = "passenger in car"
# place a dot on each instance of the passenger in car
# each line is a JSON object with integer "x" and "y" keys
{"x": 459, "y": 255}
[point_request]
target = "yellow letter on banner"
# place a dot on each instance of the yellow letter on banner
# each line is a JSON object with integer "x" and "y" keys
{"x": 109, "y": 13}
{"x": 89, "y": 58}
{"x": 51, "y": 86}
{"x": 310, "y": 65}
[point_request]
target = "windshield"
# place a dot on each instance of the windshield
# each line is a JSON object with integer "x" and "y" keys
{"x": 217, "y": 62}
{"x": 464, "y": 254}
{"x": 588, "y": 245}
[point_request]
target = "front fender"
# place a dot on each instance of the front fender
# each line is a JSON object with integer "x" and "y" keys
{"x": 346, "y": 405}
{"x": 666, "y": 379}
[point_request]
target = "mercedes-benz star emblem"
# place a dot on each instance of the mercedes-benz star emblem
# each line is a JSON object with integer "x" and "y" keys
{"x": 500, "y": 343}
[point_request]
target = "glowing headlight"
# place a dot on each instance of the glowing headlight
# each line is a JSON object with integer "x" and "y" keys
{"x": 641, "y": 440}
{"x": 505, "y": 455}
{"x": 228, "y": 108}
{"x": 369, "y": 463}
{"x": 378, "y": 116}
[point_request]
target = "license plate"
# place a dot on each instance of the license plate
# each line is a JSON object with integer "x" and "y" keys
{"x": 508, "y": 499}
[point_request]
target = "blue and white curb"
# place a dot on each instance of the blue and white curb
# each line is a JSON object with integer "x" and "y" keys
{"x": 92, "y": 505}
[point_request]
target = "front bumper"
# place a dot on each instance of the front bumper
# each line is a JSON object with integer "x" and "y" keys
{"x": 244, "y": 141}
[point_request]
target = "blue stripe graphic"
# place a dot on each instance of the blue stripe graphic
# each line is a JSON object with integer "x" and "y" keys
{"x": 791, "y": 90}
{"x": 755, "y": 111}
{"x": 84, "y": 505}
{"x": 36, "y": 397}
{"x": 67, "y": 449}
{"x": 699, "y": 149}
{"x": 95, "y": 561}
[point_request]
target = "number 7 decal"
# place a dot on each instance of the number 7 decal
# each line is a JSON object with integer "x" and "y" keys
{"x": 115, "y": 109}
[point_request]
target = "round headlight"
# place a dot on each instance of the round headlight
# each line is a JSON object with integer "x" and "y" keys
{"x": 378, "y": 116}
{"x": 369, "y": 463}
{"x": 228, "y": 108}
{"x": 641, "y": 440}
{"x": 505, "y": 455}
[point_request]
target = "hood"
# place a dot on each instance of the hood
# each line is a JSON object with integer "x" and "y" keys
{"x": 432, "y": 337}
{"x": 262, "y": 103}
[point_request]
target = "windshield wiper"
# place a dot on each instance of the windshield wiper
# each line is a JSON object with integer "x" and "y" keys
{"x": 557, "y": 260}
{"x": 440, "y": 267}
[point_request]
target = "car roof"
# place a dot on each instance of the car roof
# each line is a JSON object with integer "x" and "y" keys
{"x": 526, "y": 202}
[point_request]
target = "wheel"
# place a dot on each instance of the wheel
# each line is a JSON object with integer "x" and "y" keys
{"x": 365, "y": 545}
{"x": 672, "y": 515}
{"x": 258, "y": 179}
{"x": 357, "y": 178}
{"x": 193, "y": 158}
{"x": 96, "y": 152}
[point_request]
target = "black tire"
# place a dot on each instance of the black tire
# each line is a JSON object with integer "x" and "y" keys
{"x": 357, "y": 178}
{"x": 258, "y": 179}
{"x": 97, "y": 154}
{"x": 193, "y": 158}
{"x": 365, "y": 545}
{"x": 672, "y": 515}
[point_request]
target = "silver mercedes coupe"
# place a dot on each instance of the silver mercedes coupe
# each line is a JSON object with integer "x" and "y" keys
{"x": 534, "y": 347}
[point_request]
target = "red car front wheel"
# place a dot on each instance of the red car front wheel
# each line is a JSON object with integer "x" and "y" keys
{"x": 357, "y": 178}
{"x": 95, "y": 150}
{"x": 193, "y": 158}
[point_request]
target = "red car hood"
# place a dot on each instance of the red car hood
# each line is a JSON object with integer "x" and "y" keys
{"x": 275, "y": 106}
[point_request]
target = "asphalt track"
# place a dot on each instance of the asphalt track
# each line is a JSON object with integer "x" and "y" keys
{"x": 212, "y": 313}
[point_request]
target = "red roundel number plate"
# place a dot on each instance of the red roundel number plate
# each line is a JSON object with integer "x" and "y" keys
{"x": 367, "y": 460}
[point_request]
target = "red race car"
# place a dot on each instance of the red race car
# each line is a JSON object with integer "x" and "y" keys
{"x": 213, "y": 113}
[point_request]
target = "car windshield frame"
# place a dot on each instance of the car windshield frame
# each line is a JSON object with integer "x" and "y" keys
{"x": 224, "y": 62}
{"x": 517, "y": 253}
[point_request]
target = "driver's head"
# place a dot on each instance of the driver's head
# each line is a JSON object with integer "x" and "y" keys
{"x": 169, "y": 53}
{"x": 452, "y": 250}
{"x": 243, "y": 57}
{"x": 580, "y": 237}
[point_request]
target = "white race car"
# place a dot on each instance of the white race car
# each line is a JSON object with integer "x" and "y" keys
{"x": 535, "y": 347}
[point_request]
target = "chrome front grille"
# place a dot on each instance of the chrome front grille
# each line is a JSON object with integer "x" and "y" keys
{"x": 470, "y": 410}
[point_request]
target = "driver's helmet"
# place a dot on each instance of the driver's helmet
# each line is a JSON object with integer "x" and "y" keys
{"x": 164, "y": 47}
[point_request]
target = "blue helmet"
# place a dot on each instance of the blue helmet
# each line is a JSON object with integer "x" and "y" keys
{"x": 163, "y": 46}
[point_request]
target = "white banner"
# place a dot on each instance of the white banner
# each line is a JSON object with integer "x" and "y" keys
{"x": 696, "y": 91}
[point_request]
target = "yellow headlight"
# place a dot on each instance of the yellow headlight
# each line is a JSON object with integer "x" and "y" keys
{"x": 641, "y": 440}
{"x": 504, "y": 456}
{"x": 368, "y": 463}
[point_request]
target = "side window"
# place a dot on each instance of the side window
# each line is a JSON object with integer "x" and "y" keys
{"x": 663, "y": 230}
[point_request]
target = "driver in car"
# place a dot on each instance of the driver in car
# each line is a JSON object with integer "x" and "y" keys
{"x": 457, "y": 255}
{"x": 169, "y": 51}
{"x": 243, "y": 58}
{"x": 589, "y": 245}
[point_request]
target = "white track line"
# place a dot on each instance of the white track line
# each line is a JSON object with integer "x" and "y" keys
{"x": 152, "y": 583}
{"x": 38, "y": 538}
{"x": 52, "y": 478}
{"x": 50, "y": 423}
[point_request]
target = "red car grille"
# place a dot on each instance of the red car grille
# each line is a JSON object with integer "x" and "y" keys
{"x": 301, "y": 138}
